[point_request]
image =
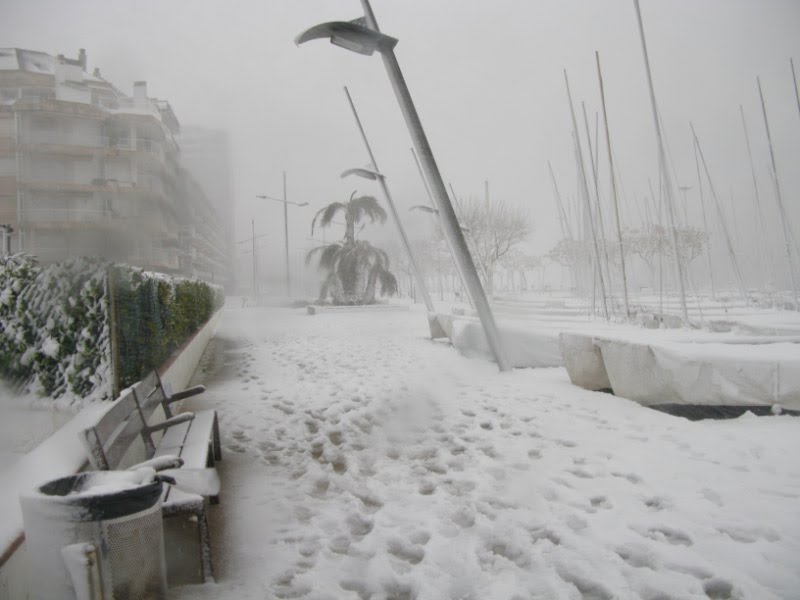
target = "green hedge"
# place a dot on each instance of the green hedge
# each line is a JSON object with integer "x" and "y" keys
{"x": 56, "y": 326}
{"x": 155, "y": 314}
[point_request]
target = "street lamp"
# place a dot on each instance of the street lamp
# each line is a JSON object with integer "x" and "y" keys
{"x": 286, "y": 204}
{"x": 366, "y": 40}
{"x": 252, "y": 240}
{"x": 7, "y": 231}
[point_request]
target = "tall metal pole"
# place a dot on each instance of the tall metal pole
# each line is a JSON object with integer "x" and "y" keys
{"x": 585, "y": 189}
{"x": 439, "y": 222}
{"x": 470, "y": 239}
{"x": 736, "y": 271}
{"x": 286, "y": 236}
{"x": 255, "y": 284}
{"x": 613, "y": 187}
{"x": 451, "y": 227}
{"x": 602, "y": 227}
{"x": 669, "y": 195}
{"x": 762, "y": 247}
{"x": 705, "y": 222}
{"x": 395, "y": 216}
{"x": 786, "y": 232}
{"x": 794, "y": 79}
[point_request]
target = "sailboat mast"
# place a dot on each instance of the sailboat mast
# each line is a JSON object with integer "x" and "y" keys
{"x": 599, "y": 215}
{"x": 668, "y": 192}
{"x": 736, "y": 271}
{"x": 613, "y": 188}
{"x": 585, "y": 190}
{"x": 762, "y": 247}
{"x": 794, "y": 79}
{"x": 705, "y": 222}
{"x": 786, "y": 232}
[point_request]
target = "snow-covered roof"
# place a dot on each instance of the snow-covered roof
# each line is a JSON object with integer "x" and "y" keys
{"x": 17, "y": 59}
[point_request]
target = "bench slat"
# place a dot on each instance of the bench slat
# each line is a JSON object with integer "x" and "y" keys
{"x": 195, "y": 456}
{"x": 173, "y": 440}
{"x": 118, "y": 413}
{"x": 202, "y": 426}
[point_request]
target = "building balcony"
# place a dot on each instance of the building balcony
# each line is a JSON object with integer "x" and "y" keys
{"x": 149, "y": 186}
{"x": 157, "y": 259}
{"x": 74, "y": 218}
{"x": 11, "y": 94}
{"x": 8, "y": 185}
{"x": 69, "y": 143}
{"x": 56, "y": 218}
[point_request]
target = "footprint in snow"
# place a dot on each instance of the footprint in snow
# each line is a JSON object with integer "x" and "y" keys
{"x": 359, "y": 525}
{"x": 426, "y": 488}
{"x": 656, "y": 503}
{"x": 631, "y": 477}
{"x": 675, "y": 537}
{"x": 718, "y": 589}
{"x": 580, "y": 473}
{"x": 601, "y": 502}
{"x": 406, "y": 550}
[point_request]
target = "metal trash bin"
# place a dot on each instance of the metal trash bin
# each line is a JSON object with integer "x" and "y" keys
{"x": 96, "y": 535}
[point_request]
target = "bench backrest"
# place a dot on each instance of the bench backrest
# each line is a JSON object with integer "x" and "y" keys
{"x": 110, "y": 438}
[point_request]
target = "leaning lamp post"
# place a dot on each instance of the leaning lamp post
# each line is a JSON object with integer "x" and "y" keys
{"x": 367, "y": 39}
{"x": 286, "y": 204}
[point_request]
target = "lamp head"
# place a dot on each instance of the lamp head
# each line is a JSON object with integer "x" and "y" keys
{"x": 351, "y": 35}
{"x": 361, "y": 172}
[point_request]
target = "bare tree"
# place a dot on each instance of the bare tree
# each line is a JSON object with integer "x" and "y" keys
{"x": 496, "y": 228}
{"x": 652, "y": 241}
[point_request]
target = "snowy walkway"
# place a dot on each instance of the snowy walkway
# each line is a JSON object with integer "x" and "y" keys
{"x": 364, "y": 461}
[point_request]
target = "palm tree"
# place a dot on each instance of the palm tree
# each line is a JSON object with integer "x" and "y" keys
{"x": 355, "y": 267}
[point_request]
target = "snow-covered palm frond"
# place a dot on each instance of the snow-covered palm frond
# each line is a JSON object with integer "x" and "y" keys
{"x": 366, "y": 207}
{"x": 387, "y": 281}
{"x": 328, "y": 255}
{"x": 327, "y": 284}
{"x": 326, "y": 215}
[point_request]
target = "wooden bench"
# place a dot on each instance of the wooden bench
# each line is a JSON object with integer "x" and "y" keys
{"x": 193, "y": 437}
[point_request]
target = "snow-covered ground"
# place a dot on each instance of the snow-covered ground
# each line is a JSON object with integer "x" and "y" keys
{"x": 362, "y": 460}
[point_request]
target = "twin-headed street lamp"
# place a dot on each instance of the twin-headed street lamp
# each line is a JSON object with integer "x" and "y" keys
{"x": 286, "y": 204}
{"x": 363, "y": 36}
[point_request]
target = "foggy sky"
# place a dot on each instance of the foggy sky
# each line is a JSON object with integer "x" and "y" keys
{"x": 486, "y": 77}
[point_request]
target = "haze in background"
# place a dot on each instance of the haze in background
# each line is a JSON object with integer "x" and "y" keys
{"x": 487, "y": 79}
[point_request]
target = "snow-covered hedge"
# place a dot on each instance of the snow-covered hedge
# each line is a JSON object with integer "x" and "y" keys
{"x": 56, "y": 324}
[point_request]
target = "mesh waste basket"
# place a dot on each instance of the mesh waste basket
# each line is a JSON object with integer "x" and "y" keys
{"x": 96, "y": 535}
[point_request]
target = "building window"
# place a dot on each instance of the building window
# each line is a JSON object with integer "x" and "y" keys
{"x": 8, "y": 166}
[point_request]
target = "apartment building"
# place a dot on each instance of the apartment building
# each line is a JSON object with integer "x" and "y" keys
{"x": 88, "y": 170}
{"x": 205, "y": 153}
